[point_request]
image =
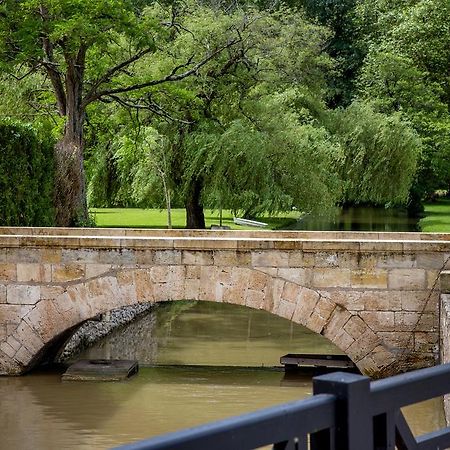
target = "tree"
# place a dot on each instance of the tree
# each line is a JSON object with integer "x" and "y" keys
{"x": 235, "y": 138}
{"x": 90, "y": 51}
{"x": 406, "y": 72}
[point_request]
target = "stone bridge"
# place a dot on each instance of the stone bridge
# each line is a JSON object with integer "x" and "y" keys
{"x": 376, "y": 296}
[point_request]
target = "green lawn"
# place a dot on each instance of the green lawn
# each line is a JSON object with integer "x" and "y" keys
{"x": 437, "y": 217}
{"x": 155, "y": 218}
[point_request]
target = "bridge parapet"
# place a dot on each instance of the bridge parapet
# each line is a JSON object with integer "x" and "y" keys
{"x": 374, "y": 295}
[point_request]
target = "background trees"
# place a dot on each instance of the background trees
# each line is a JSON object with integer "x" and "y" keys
{"x": 231, "y": 106}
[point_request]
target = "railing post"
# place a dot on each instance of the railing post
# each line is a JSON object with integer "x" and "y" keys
{"x": 354, "y": 423}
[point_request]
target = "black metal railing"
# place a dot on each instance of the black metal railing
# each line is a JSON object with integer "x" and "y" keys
{"x": 347, "y": 412}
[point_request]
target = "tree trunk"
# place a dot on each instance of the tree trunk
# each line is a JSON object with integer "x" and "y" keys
{"x": 194, "y": 210}
{"x": 70, "y": 183}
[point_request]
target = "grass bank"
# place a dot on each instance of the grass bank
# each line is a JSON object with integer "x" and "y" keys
{"x": 156, "y": 218}
{"x": 436, "y": 217}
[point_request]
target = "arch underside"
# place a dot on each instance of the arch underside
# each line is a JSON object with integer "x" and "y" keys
{"x": 266, "y": 289}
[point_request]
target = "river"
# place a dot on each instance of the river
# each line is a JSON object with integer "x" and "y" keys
{"x": 359, "y": 218}
{"x": 200, "y": 350}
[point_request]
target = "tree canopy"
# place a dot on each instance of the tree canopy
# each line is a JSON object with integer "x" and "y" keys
{"x": 229, "y": 105}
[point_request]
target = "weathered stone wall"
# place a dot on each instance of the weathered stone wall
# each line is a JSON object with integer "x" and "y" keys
{"x": 374, "y": 295}
{"x": 445, "y": 332}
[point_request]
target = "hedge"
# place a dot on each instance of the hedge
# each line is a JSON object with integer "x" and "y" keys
{"x": 26, "y": 176}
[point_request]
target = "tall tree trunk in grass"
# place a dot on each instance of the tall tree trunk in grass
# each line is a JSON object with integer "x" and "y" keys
{"x": 195, "y": 217}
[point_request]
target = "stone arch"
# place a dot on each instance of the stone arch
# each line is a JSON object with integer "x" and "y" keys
{"x": 266, "y": 289}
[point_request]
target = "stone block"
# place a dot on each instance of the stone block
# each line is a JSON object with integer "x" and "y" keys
{"x": 331, "y": 278}
{"x": 2, "y": 293}
{"x": 368, "y": 367}
{"x": 23, "y": 356}
{"x": 382, "y": 300}
{"x": 343, "y": 340}
{"x": 29, "y": 338}
{"x": 419, "y": 300}
{"x": 255, "y": 299}
{"x": 22, "y": 294}
{"x": 49, "y": 292}
{"x": 116, "y": 256}
{"x": 226, "y": 258}
{"x": 368, "y": 279}
{"x": 296, "y": 259}
{"x": 355, "y": 327}
{"x": 48, "y": 322}
{"x": 23, "y": 255}
{"x": 233, "y": 295}
{"x": 326, "y": 259}
{"x": 396, "y": 261}
{"x": 192, "y": 288}
{"x": 363, "y": 346}
{"x": 50, "y": 255}
{"x": 167, "y": 257}
{"x": 291, "y": 292}
{"x": 406, "y": 321}
{"x": 300, "y": 276}
{"x": 273, "y": 258}
{"x": 426, "y": 342}
{"x": 367, "y": 261}
{"x": 348, "y": 299}
{"x": 407, "y": 279}
{"x": 379, "y": 320}
{"x": 97, "y": 270}
{"x": 430, "y": 261}
{"x": 160, "y": 274}
{"x": 306, "y": 304}
{"x": 395, "y": 340}
{"x": 83, "y": 255}
{"x": 67, "y": 272}
{"x": 258, "y": 280}
{"x": 286, "y": 310}
{"x": 144, "y": 285}
{"x": 197, "y": 258}
{"x": 8, "y": 272}
{"x": 445, "y": 282}
{"x": 7, "y": 349}
{"x": 336, "y": 323}
{"x": 34, "y": 272}
{"x": 208, "y": 280}
{"x": 11, "y": 315}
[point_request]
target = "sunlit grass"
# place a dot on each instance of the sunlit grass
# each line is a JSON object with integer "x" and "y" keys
{"x": 156, "y": 218}
{"x": 437, "y": 217}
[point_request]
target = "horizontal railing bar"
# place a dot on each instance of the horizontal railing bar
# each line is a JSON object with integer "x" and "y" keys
{"x": 409, "y": 388}
{"x": 435, "y": 440}
{"x": 252, "y": 430}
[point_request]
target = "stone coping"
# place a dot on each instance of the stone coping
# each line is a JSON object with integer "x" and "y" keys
{"x": 125, "y": 238}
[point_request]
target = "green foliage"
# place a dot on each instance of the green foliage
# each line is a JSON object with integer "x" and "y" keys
{"x": 381, "y": 154}
{"x": 406, "y": 71}
{"x": 26, "y": 176}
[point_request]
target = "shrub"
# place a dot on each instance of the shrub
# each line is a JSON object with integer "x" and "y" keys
{"x": 26, "y": 175}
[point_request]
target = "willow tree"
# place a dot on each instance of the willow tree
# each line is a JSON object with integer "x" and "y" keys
{"x": 90, "y": 51}
{"x": 232, "y": 134}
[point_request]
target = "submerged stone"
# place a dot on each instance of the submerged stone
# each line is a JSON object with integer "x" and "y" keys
{"x": 101, "y": 370}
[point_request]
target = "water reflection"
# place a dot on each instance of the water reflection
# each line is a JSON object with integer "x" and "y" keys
{"x": 360, "y": 219}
